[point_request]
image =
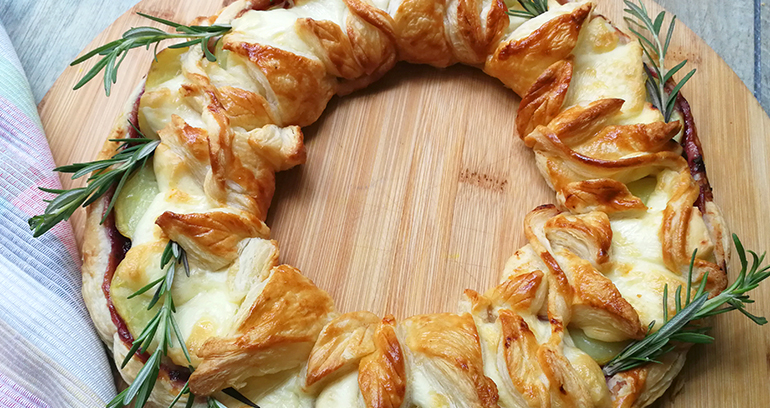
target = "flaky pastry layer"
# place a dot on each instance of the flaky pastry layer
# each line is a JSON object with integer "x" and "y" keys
{"x": 624, "y": 225}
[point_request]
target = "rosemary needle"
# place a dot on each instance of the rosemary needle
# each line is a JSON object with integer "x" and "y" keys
{"x": 532, "y": 8}
{"x": 162, "y": 327}
{"x": 655, "y": 49}
{"x": 232, "y": 392}
{"x": 184, "y": 391}
{"x": 132, "y": 154}
{"x": 681, "y": 328}
{"x": 213, "y": 403}
{"x": 210, "y": 401}
{"x": 113, "y": 53}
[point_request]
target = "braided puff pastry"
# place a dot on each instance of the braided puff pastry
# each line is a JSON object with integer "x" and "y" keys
{"x": 628, "y": 215}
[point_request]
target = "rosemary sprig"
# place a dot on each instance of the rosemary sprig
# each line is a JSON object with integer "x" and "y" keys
{"x": 641, "y": 24}
{"x": 162, "y": 327}
{"x": 532, "y": 8}
{"x": 115, "y": 52}
{"x": 681, "y": 328}
{"x": 184, "y": 391}
{"x": 233, "y": 393}
{"x": 132, "y": 154}
{"x": 211, "y": 401}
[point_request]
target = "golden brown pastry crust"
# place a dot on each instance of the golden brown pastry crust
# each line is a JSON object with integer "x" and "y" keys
{"x": 382, "y": 374}
{"x": 446, "y": 347}
{"x": 97, "y": 247}
{"x": 341, "y": 346}
{"x": 283, "y": 322}
{"x": 227, "y": 127}
{"x": 520, "y": 62}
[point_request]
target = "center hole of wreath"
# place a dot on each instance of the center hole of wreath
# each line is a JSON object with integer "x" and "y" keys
{"x": 414, "y": 189}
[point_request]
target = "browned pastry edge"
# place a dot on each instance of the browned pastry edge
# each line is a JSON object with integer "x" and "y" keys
{"x": 118, "y": 247}
{"x": 692, "y": 153}
{"x": 118, "y": 243}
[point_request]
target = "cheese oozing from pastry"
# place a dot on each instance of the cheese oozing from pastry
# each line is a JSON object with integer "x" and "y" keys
{"x": 590, "y": 279}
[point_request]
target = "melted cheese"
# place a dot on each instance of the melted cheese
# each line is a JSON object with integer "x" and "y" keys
{"x": 602, "y": 352}
{"x": 162, "y": 97}
{"x": 590, "y": 372}
{"x": 522, "y": 28}
{"x": 280, "y": 390}
{"x": 493, "y": 353}
{"x": 270, "y": 28}
{"x": 207, "y": 302}
{"x": 210, "y": 303}
{"x": 639, "y": 272}
{"x": 207, "y": 314}
{"x": 608, "y": 65}
{"x": 341, "y": 393}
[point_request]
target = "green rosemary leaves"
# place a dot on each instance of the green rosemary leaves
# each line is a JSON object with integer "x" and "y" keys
{"x": 532, "y": 8}
{"x": 115, "y": 52}
{"x": 655, "y": 49}
{"x": 162, "y": 327}
{"x": 681, "y": 328}
{"x": 131, "y": 155}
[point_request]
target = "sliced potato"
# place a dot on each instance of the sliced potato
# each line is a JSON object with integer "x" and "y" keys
{"x": 134, "y": 199}
{"x": 602, "y": 352}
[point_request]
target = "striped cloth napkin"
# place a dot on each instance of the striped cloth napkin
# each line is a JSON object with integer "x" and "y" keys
{"x": 50, "y": 355}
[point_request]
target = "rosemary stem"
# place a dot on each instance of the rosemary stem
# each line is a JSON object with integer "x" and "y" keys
{"x": 662, "y": 66}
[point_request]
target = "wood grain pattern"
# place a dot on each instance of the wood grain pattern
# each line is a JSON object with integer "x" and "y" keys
{"x": 52, "y": 33}
{"x": 416, "y": 189}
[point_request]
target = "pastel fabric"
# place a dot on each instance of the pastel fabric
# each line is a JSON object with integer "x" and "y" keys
{"x": 50, "y": 355}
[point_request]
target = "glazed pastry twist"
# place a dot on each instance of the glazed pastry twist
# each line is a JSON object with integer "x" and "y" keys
{"x": 593, "y": 273}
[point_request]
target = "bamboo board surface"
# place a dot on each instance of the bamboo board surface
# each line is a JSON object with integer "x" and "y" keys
{"x": 416, "y": 188}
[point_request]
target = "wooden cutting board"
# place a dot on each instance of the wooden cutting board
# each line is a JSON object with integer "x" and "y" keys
{"x": 416, "y": 188}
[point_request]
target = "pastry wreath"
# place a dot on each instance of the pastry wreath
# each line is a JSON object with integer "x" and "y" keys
{"x": 633, "y": 203}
